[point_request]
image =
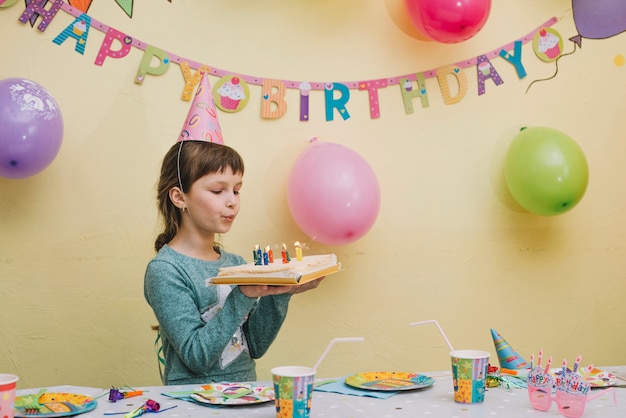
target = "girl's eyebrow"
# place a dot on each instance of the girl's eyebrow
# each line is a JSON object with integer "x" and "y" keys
{"x": 224, "y": 183}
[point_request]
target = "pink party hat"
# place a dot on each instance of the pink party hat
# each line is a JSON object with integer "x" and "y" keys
{"x": 509, "y": 359}
{"x": 201, "y": 123}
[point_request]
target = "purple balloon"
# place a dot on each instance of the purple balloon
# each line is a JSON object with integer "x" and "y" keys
{"x": 31, "y": 128}
{"x": 598, "y": 19}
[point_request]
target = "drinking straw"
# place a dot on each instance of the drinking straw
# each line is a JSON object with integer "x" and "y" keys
{"x": 443, "y": 334}
{"x": 332, "y": 342}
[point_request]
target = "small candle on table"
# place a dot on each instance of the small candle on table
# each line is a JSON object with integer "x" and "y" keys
{"x": 266, "y": 258}
{"x": 270, "y": 254}
{"x": 548, "y": 364}
{"x": 576, "y": 363}
{"x": 298, "y": 250}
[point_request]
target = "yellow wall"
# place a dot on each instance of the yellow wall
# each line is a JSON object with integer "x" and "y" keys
{"x": 449, "y": 242}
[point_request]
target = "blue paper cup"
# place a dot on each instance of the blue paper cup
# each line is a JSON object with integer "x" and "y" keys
{"x": 469, "y": 371}
{"x": 293, "y": 388}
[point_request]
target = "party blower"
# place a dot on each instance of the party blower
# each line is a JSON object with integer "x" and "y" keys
{"x": 293, "y": 385}
{"x": 469, "y": 370}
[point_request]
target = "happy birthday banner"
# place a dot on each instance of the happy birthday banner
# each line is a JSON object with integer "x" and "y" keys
{"x": 231, "y": 92}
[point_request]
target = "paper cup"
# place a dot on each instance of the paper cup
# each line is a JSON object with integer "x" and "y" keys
{"x": 469, "y": 370}
{"x": 293, "y": 388}
{"x": 8, "y": 383}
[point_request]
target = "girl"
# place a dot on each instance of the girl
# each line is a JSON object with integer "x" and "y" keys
{"x": 209, "y": 333}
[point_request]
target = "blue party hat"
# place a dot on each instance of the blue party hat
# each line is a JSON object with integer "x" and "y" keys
{"x": 509, "y": 359}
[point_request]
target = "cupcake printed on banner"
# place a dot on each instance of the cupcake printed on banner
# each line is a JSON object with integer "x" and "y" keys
{"x": 201, "y": 123}
{"x": 547, "y": 44}
{"x": 231, "y": 93}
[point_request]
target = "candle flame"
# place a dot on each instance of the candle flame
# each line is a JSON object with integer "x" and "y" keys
{"x": 267, "y": 249}
{"x": 256, "y": 247}
{"x": 284, "y": 247}
{"x": 297, "y": 244}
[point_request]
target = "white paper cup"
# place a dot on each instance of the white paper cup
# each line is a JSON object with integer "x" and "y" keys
{"x": 469, "y": 371}
{"x": 293, "y": 388}
{"x": 8, "y": 384}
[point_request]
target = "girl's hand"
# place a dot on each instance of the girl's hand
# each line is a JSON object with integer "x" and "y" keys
{"x": 307, "y": 286}
{"x": 257, "y": 291}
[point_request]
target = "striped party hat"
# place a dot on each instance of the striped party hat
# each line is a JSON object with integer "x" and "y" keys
{"x": 508, "y": 358}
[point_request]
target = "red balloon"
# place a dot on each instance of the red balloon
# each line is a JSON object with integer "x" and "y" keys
{"x": 448, "y": 21}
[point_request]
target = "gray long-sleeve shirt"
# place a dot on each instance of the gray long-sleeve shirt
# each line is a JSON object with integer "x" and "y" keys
{"x": 209, "y": 333}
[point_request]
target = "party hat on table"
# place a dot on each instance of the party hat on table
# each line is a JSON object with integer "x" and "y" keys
{"x": 201, "y": 123}
{"x": 509, "y": 359}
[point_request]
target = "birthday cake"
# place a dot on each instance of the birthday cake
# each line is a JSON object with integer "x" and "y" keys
{"x": 279, "y": 273}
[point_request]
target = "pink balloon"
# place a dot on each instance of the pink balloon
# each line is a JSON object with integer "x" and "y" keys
{"x": 448, "y": 21}
{"x": 333, "y": 194}
{"x": 31, "y": 128}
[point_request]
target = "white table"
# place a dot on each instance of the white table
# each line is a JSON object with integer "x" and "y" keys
{"x": 435, "y": 401}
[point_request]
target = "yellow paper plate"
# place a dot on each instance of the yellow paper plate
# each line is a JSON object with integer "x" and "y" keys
{"x": 389, "y": 381}
{"x": 600, "y": 378}
{"x": 596, "y": 378}
{"x": 52, "y": 405}
{"x": 232, "y": 394}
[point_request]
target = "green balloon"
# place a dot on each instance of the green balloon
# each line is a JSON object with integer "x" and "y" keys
{"x": 546, "y": 171}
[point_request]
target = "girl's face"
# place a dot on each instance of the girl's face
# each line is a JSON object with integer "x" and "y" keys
{"x": 213, "y": 201}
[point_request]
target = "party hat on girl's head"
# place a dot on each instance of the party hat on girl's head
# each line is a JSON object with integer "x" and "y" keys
{"x": 509, "y": 359}
{"x": 201, "y": 123}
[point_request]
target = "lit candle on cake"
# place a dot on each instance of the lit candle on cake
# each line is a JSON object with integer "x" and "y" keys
{"x": 259, "y": 255}
{"x": 255, "y": 254}
{"x": 270, "y": 254}
{"x": 266, "y": 257}
{"x": 285, "y": 254}
{"x": 298, "y": 250}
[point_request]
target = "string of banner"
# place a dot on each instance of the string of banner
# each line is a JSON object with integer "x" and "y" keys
{"x": 231, "y": 92}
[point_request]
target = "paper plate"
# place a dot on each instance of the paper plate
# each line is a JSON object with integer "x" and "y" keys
{"x": 389, "y": 381}
{"x": 232, "y": 394}
{"x": 53, "y": 405}
{"x": 596, "y": 378}
{"x": 599, "y": 378}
